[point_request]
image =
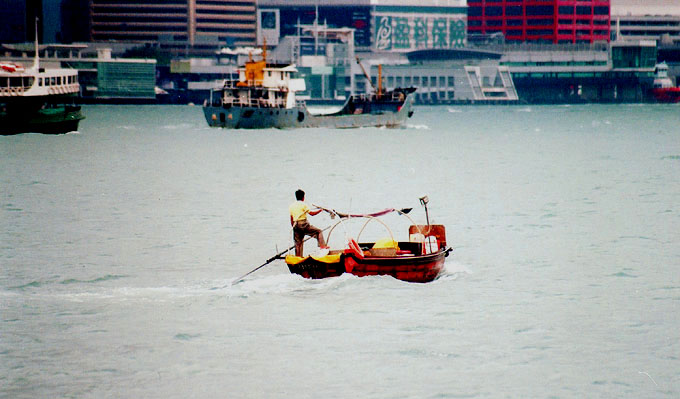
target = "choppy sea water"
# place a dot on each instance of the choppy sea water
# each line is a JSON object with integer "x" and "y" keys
{"x": 118, "y": 245}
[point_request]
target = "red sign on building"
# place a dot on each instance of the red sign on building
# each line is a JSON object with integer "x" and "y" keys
{"x": 554, "y": 21}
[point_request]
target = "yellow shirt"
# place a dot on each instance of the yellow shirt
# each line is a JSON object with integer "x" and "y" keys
{"x": 298, "y": 210}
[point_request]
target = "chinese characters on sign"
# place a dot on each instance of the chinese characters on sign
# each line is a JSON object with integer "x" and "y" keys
{"x": 412, "y": 33}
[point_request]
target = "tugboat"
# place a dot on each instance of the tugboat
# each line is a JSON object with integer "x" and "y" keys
{"x": 264, "y": 97}
{"x": 663, "y": 90}
{"x": 31, "y": 98}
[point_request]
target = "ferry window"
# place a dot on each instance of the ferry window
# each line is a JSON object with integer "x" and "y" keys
{"x": 4, "y": 82}
{"x": 40, "y": 82}
{"x": 15, "y": 82}
{"x": 53, "y": 81}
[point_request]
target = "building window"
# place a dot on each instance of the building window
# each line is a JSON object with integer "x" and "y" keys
{"x": 566, "y": 10}
{"x": 539, "y": 22}
{"x": 540, "y": 10}
{"x": 513, "y": 10}
{"x": 583, "y": 10}
{"x": 601, "y": 10}
{"x": 494, "y": 11}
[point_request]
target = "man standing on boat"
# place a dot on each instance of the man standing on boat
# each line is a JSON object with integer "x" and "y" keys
{"x": 301, "y": 227}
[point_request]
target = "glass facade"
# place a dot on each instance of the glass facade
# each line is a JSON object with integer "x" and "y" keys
{"x": 553, "y": 21}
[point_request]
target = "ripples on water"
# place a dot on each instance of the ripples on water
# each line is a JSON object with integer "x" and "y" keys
{"x": 120, "y": 243}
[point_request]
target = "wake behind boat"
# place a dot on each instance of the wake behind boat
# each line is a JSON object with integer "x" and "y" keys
{"x": 265, "y": 97}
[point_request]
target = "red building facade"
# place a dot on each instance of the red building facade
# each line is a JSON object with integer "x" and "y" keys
{"x": 554, "y": 21}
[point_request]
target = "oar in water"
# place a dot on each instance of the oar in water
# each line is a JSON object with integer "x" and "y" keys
{"x": 270, "y": 260}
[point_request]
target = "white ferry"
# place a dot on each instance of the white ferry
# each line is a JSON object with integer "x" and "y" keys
{"x": 33, "y": 99}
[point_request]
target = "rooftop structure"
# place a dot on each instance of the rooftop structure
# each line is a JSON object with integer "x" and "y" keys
{"x": 645, "y": 7}
{"x": 550, "y": 21}
{"x": 662, "y": 28}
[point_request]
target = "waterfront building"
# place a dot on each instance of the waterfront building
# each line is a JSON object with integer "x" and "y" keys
{"x": 577, "y": 73}
{"x": 453, "y": 76}
{"x": 175, "y": 24}
{"x": 17, "y": 20}
{"x": 662, "y": 28}
{"x": 545, "y": 21}
{"x": 59, "y": 21}
{"x": 380, "y": 25}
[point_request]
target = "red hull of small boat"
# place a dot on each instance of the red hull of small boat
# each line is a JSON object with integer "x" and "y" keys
{"x": 667, "y": 95}
{"x": 416, "y": 269}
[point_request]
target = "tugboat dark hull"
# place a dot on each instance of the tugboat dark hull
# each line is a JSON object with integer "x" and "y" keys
{"x": 354, "y": 114}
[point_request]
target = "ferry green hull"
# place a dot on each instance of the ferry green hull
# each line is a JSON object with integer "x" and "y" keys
{"x": 55, "y": 120}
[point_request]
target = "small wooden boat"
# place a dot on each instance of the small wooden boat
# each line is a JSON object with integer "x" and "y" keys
{"x": 420, "y": 259}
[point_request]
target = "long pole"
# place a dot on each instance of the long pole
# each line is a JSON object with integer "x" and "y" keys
{"x": 270, "y": 260}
